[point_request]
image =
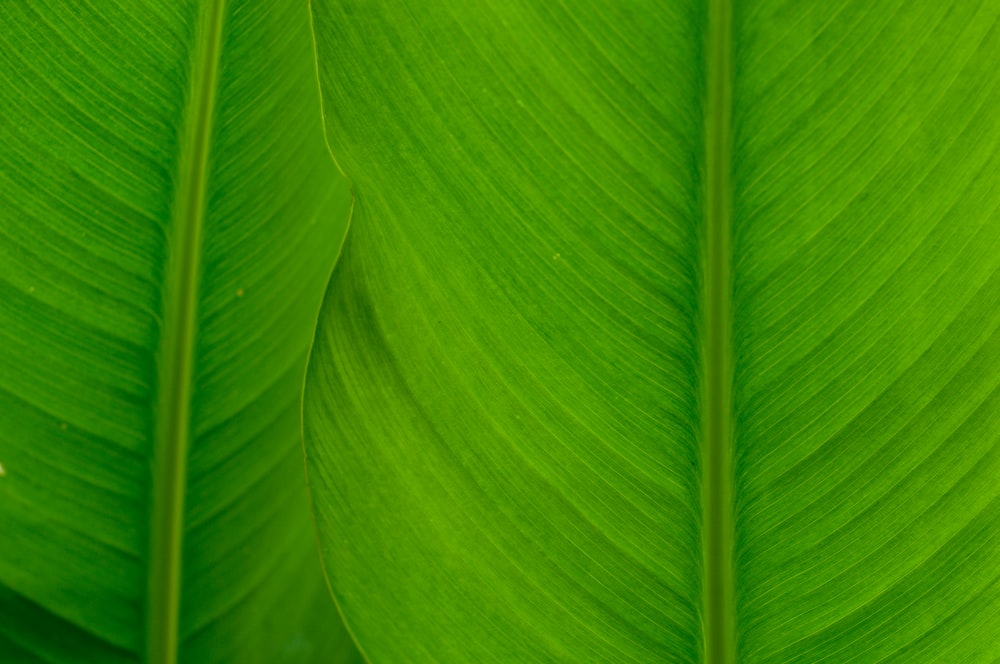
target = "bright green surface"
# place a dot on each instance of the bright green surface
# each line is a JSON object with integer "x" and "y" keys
{"x": 165, "y": 235}
{"x": 506, "y": 406}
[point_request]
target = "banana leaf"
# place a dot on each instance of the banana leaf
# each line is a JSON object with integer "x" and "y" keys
{"x": 663, "y": 332}
{"x": 169, "y": 216}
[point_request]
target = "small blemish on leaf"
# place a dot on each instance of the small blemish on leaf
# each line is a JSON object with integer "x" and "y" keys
{"x": 3, "y": 471}
{"x": 556, "y": 257}
{"x": 239, "y": 292}
{"x": 31, "y": 289}
{"x": 63, "y": 426}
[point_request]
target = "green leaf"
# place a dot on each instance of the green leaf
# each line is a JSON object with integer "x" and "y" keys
{"x": 169, "y": 216}
{"x": 663, "y": 332}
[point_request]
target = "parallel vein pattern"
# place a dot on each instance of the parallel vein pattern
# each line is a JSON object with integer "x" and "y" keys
{"x": 502, "y": 409}
{"x": 114, "y": 180}
{"x": 515, "y": 412}
{"x": 867, "y": 243}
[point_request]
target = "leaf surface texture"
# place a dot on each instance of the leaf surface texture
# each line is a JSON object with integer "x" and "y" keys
{"x": 505, "y": 407}
{"x": 168, "y": 218}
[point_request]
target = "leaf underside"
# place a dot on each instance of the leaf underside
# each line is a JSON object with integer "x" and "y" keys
{"x": 98, "y": 107}
{"x": 503, "y": 408}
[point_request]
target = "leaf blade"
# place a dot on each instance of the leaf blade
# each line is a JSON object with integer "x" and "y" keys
{"x": 857, "y": 329}
{"x": 864, "y": 294}
{"x": 446, "y": 264}
{"x": 88, "y": 173}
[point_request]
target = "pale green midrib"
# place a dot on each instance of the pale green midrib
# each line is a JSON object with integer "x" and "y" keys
{"x": 718, "y": 611}
{"x": 176, "y": 352}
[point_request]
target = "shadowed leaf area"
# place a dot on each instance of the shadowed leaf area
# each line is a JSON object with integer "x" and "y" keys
{"x": 169, "y": 216}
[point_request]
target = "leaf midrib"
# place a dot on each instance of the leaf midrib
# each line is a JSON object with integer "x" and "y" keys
{"x": 178, "y": 332}
{"x": 718, "y": 619}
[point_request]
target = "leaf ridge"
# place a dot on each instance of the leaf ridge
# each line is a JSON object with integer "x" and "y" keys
{"x": 717, "y": 376}
{"x": 178, "y": 332}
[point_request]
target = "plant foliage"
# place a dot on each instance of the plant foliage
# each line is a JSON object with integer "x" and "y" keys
{"x": 169, "y": 216}
{"x": 664, "y": 331}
